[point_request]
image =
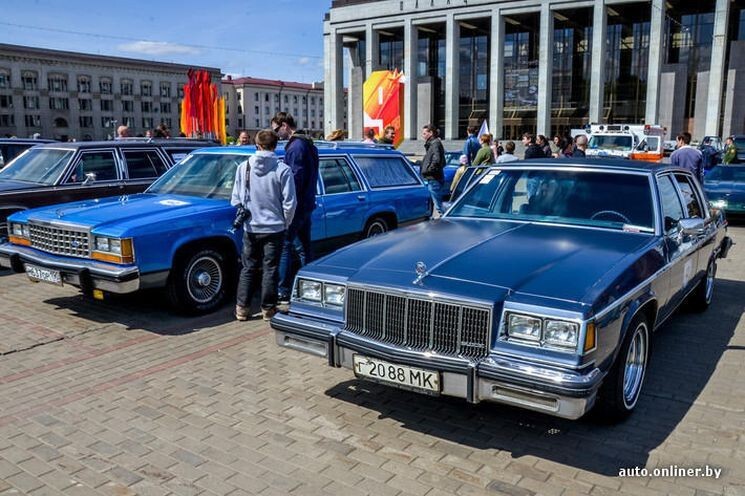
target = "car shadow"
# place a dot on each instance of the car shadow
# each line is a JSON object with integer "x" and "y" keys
{"x": 685, "y": 354}
{"x": 147, "y": 310}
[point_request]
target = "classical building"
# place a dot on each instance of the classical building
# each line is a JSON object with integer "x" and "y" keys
{"x": 64, "y": 95}
{"x": 252, "y": 102}
{"x": 544, "y": 66}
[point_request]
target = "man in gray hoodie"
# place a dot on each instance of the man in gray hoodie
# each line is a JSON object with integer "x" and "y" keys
{"x": 267, "y": 191}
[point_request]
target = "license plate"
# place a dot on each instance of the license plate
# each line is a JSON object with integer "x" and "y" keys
{"x": 401, "y": 375}
{"x": 45, "y": 275}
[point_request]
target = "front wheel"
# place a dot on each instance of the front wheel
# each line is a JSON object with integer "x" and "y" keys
{"x": 622, "y": 386}
{"x": 199, "y": 281}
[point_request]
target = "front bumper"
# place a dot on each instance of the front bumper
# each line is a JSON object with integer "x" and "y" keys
{"x": 560, "y": 392}
{"x": 83, "y": 273}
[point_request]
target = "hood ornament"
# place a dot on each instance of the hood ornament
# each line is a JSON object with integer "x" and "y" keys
{"x": 421, "y": 272}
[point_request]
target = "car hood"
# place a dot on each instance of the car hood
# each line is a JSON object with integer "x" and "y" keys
{"x": 724, "y": 189}
{"x": 11, "y": 185}
{"x": 124, "y": 213}
{"x": 488, "y": 259}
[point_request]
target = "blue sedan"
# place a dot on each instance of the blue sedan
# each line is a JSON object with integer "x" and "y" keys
{"x": 725, "y": 188}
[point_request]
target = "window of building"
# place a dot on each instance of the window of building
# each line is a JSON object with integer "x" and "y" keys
{"x": 31, "y": 102}
{"x": 165, "y": 89}
{"x": 312, "y": 124}
{"x": 257, "y": 122}
{"x": 127, "y": 87}
{"x": 165, "y": 107}
{"x": 256, "y": 109}
{"x": 238, "y": 95}
{"x": 86, "y": 121}
{"x": 313, "y": 113}
{"x": 256, "y": 96}
{"x": 294, "y": 99}
{"x": 105, "y": 85}
{"x": 128, "y": 121}
{"x": 295, "y": 112}
{"x": 106, "y": 121}
{"x": 84, "y": 84}
{"x": 6, "y": 101}
{"x": 7, "y": 120}
{"x": 168, "y": 122}
{"x": 266, "y": 110}
{"x": 147, "y": 122}
{"x": 59, "y": 103}
{"x": 266, "y": 97}
{"x": 85, "y": 104}
{"x": 30, "y": 81}
{"x": 4, "y": 79}
{"x": 146, "y": 88}
{"x": 57, "y": 82}
{"x": 180, "y": 91}
{"x": 146, "y": 106}
{"x": 32, "y": 120}
{"x": 320, "y": 100}
{"x": 107, "y": 106}
{"x": 305, "y": 100}
{"x": 287, "y": 99}
{"x": 276, "y": 98}
{"x": 312, "y": 100}
{"x": 128, "y": 106}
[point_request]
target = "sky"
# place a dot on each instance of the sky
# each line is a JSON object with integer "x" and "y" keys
{"x": 273, "y": 39}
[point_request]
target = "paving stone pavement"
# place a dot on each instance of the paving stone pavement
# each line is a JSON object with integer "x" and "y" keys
{"x": 121, "y": 397}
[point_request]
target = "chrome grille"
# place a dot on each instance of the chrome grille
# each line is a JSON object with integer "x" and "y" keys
{"x": 60, "y": 241}
{"x": 425, "y": 325}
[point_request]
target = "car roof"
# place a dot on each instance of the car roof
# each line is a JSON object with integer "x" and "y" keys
{"x": 25, "y": 141}
{"x": 595, "y": 163}
{"x": 324, "y": 148}
{"x": 134, "y": 143}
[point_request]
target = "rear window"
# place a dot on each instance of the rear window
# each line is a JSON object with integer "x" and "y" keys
{"x": 387, "y": 172}
{"x": 143, "y": 164}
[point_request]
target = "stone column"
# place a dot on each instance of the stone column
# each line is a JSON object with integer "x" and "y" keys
{"x": 333, "y": 88}
{"x": 372, "y": 50}
{"x": 545, "y": 70}
{"x": 355, "y": 80}
{"x": 654, "y": 71}
{"x": 599, "y": 51}
{"x": 496, "y": 75}
{"x": 452, "y": 77}
{"x": 716, "y": 71}
{"x": 411, "y": 43}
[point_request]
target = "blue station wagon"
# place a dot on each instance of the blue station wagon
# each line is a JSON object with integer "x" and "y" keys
{"x": 540, "y": 287}
{"x": 178, "y": 234}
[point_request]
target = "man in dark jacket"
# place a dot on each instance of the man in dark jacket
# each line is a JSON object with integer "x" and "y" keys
{"x": 301, "y": 156}
{"x": 532, "y": 149}
{"x": 433, "y": 165}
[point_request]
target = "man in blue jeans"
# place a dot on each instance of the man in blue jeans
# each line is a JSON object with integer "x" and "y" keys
{"x": 433, "y": 165}
{"x": 301, "y": 156}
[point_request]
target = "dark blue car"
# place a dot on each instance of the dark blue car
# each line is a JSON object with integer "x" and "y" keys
{"x": 540, "y": 287}
{"x": 725, "y": 188}
{"x": 178, "y": 233}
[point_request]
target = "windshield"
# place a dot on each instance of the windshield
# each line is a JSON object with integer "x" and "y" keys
{"x": 621, "y": 143}
{"x": 37, "y": 165}
{"x": 727, "y": 173}
{"x": 202, "y": 175}
{"x": 588, "y": 198}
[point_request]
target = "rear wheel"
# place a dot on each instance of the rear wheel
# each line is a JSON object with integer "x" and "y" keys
{"x": 701, "y": 297}
{"x": 375, "y": 227}
{"x": 622, "y": 386}
{"x": 199, "y": 281}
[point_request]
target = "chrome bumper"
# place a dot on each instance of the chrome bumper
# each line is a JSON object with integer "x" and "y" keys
{"x": 85, "y": 274}
{"x": 562, "y": 393}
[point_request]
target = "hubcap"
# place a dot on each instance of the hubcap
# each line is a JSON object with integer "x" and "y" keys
{"x": 204, "y": 279}
{"x": 375, "y": 229}
{"x": 636, "y": 363}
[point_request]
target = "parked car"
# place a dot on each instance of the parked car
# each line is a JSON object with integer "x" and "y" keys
{"x": 178, "y": 235}
{"x": 739, "y": 140}
{"x": 668, "y": 146}
{"x": 539, "y": 288}
{"x": 10, "y": 148}
{"x": 62, "y": 172}
{"x": 725, "y": 188}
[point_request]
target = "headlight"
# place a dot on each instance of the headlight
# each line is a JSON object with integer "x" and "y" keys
{"x": 309, "y": 290}
{"x": 114, "y": 250}
{"x": 102, "y": 244}
{"x": 19, "y": 234}
{"x": 720, "y": 204}
{"x": 560, "y": 333}
{"x": 524, "y": 327}
{"x": 333, "y": 294}
{"x": 17, "y": 229}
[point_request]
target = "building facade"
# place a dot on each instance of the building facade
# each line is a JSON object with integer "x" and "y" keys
{"x": 543, "y": 66}
{"x": 252, "y": 102}
{"x": 66, "y": 95}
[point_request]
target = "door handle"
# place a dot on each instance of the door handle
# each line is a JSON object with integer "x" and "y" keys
{"x": 361, "y": 197}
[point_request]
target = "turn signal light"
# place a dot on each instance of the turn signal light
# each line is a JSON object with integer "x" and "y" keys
{"x": 17, "y": 240}
{"x": 590, "y": 337}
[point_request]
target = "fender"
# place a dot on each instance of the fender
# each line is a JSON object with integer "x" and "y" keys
{"x": 632, "y": 309}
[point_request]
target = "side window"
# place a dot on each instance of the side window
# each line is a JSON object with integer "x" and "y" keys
{"x": 177, "y": 155}
{"x": 338, "y": 177}
{"x": 144, "y": 164}
{"x": 690, "y": 197}
{"x": 101, "y": 164}
{"x": 386, "y": 172}
{"x": 671, "y": 207}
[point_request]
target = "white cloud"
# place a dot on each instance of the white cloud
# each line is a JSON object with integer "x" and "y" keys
{"x": 303, "y": 61}
{"x": 157, "y": 48}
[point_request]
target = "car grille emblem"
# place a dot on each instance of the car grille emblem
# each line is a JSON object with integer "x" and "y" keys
{"x": 421, "y": 272}
{"x": 75, "y": 244}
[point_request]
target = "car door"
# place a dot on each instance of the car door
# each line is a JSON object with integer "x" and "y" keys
{"x": 344, "y": 199}
{"x": 142, "y": 167}
{"x": 92, "y": 174}
{"x": 674, "y": 246}
{"x": 694, "y": 206}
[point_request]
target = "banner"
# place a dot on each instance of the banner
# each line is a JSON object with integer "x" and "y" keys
{"x": 383, "y": 99}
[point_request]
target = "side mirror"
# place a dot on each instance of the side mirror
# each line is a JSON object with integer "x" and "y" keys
{"x": 90, "y": 177}
{"x": 692, "y": 227}
{"x": 670, "y": 224}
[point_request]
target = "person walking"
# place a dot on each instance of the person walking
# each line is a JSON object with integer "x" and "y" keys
{"x": 687, "y": 156}
{"x": 301, "y": 155}
{"x": 532, "y": 150}
{"x": 264, "y": 186}
{"x": 433, "y": 165}
{"x": 509, "y": 153}
{"x": 708, "y": 153}
{"x": 472, "y": 145}
{"x": 389, "y": 135}
{"x": 485, "y": 154}
{"x": 730, "y": 151}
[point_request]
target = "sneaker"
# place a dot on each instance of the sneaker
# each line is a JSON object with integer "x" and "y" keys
{"x": 268, "y": 313}
{"x": 241, "y": 313}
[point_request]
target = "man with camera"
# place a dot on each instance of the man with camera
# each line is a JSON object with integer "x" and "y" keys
{"x": 264, "y": 194}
